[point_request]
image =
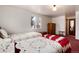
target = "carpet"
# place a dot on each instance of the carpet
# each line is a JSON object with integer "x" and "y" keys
{"x": 74, "y": 44}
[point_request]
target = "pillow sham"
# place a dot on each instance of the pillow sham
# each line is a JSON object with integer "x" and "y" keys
{"x": 3, "y": 34}
{"x": 25, "y": 35}
{"x": 34, "y": 34}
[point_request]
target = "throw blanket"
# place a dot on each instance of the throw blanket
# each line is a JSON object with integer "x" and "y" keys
{"x": 63, "y": 41}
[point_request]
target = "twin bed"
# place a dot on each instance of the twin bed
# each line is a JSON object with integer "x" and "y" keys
{"x": 34, "y": 42}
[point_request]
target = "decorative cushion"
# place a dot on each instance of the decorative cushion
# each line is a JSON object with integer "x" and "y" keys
{"x": 3, "y": 34}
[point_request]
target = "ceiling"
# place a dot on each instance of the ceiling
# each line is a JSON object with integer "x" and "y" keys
{"x": 68, "y": 10}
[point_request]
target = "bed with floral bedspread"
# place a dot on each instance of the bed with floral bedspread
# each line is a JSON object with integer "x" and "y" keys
{"x": 33, "y": 42}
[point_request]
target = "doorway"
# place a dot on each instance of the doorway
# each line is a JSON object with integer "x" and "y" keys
{"x": 70, "y": 27}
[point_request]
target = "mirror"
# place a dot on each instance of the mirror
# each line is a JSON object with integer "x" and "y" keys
{"x": 71, "y": 25}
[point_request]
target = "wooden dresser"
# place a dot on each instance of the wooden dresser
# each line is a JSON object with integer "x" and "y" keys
{"x": 51, "y": 28}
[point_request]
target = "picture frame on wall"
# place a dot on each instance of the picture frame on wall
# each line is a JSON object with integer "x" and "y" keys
{"x": 35, "y": 22}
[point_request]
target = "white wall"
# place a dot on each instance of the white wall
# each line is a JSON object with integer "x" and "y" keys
{"x": 60, "y": 23}
{"x": 17, "y": 20}
{"x": 77, "y": 25}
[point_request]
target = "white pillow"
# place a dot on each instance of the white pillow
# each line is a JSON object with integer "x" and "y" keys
{"x": 4, "y": 33}
{"x": 16, "y": 36}
{"x": 33, "y": 34}
{"x": 25, "y": 35}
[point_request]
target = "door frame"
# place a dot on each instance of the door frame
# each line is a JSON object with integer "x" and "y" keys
{"x": 66, "y": 25}
{"x": 74, "y": 26}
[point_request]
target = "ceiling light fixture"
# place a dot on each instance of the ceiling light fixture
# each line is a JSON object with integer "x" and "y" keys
{"x": 53, "y": 7}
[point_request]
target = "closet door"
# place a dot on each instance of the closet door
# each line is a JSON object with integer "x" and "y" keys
{"x": 51, "y": 28}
